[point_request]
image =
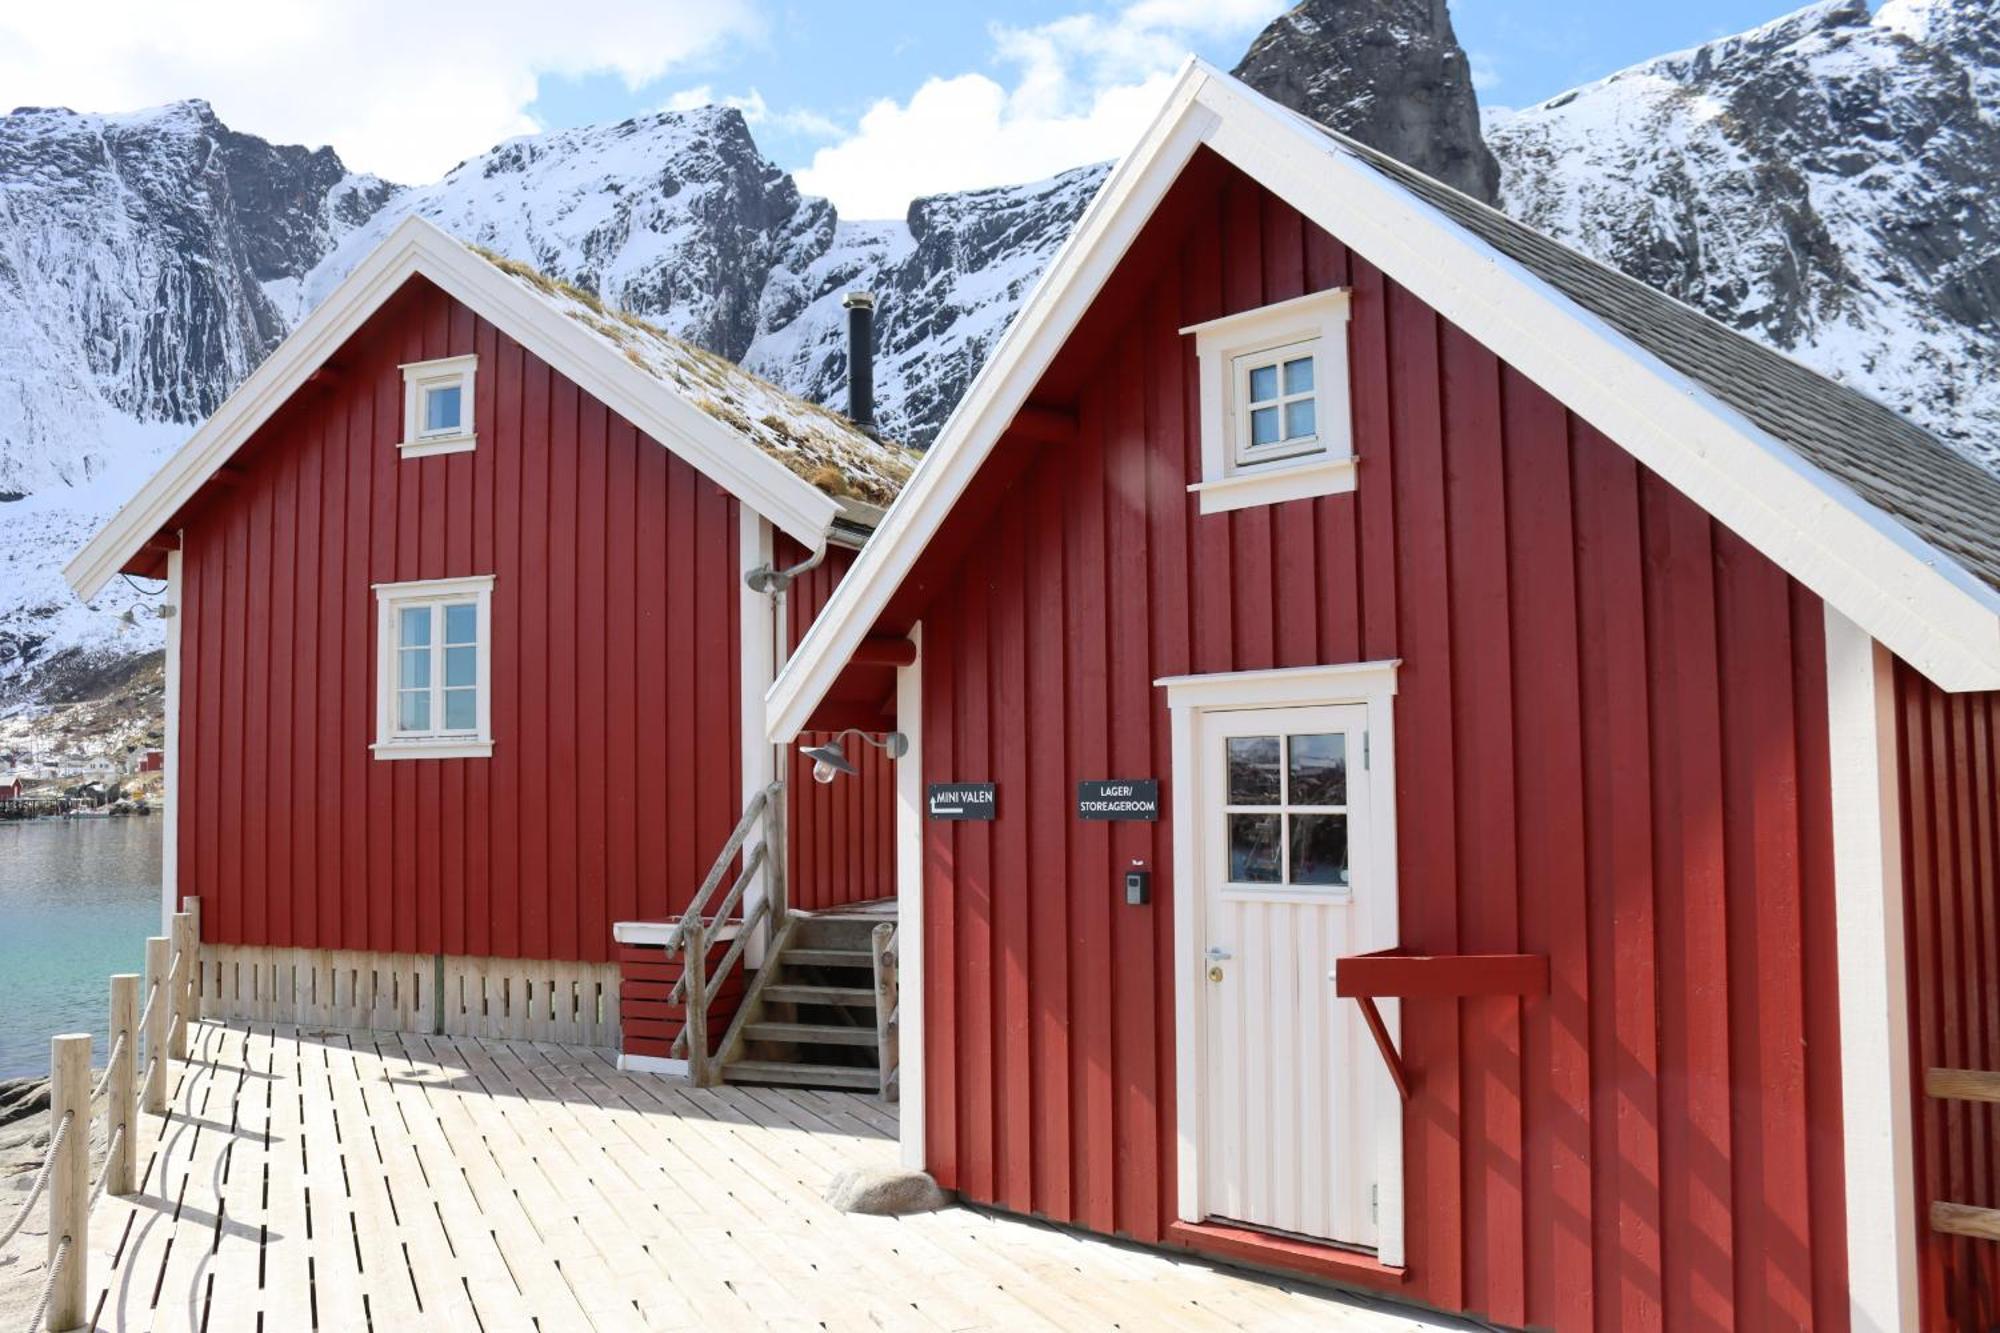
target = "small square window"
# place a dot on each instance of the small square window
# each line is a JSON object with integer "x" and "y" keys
{"x": 437, "y": 406}
{"x": 441, "y": 409}
{"x": 1275, "y": 421}
{"x": 436, "y": 669}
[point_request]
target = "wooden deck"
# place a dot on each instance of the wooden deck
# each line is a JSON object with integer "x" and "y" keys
{"x": 348, "y": 1180}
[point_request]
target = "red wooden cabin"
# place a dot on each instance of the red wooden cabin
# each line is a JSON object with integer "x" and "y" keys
{"x": 464, "y": 668}
{"x": 1576, "y": 838}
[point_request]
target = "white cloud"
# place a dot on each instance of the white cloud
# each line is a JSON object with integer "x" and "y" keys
{"x": 755, "y": 111}
{"x": 402, "y": 89}
{"x": 1083, "y": 88}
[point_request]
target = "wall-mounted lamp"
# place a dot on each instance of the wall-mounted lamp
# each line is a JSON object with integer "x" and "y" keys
{"x": 830, "y": 761}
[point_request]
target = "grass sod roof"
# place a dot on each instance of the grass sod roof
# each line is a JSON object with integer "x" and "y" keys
{"x": 819, "y": 445}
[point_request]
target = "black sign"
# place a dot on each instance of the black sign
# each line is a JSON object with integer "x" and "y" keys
{"x": 1119, "y": 798}
{"x": 962, "y": 800}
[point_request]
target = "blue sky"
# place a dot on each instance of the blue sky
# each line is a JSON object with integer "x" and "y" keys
{"x": 871, "y": 101}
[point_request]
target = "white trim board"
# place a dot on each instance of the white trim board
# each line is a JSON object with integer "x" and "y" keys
{"x": 1877, "y": 1128}
{"x": 912, "y": 1092}
{"x": 170, "y": 853}
{"x": 1912, "y": 597}
{"x": 416, "y": 248}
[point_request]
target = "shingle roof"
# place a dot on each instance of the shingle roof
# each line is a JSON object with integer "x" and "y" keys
{"x": 825, "y": 448}
{"x": 1901, "y": 469}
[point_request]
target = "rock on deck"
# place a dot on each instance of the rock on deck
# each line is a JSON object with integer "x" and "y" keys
{"x": 349, "y": 1180}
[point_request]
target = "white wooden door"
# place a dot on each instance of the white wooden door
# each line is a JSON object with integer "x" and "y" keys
{"x": 1292, "y": 1086}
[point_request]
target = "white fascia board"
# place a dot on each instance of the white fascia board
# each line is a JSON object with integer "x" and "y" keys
{"x": 416, "y": 247}
{"x": 1927, "y": 608}
{"x": 1060, "y": 298}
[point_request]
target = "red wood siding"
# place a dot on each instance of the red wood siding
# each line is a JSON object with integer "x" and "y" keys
{"x": 615, "y": 681}
{"x": 842, "y": 846}
{"x": 1950, "y": 786}
{"x": 1612, "y": 750}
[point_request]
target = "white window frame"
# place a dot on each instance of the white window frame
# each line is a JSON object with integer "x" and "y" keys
{"x": 1372, "y": 685}
{"x": 419, "y": 378}
{"x": 1236, "y": 474}
{"x": 390, "y": 741}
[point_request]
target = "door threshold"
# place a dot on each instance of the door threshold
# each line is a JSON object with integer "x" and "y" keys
{"x": 1323, "y": 1260}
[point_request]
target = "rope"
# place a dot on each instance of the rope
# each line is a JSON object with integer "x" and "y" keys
{"x": 104, "y": 1176}
{"x": 42, "y": 1180}
{"x": 147, "y": 1012}
{"x": 109, "y": 1064}
{"x": 49, "y": 1291}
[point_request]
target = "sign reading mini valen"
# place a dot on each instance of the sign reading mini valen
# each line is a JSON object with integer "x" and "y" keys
{"x": 1119, "y": 798}
{"x": 961, "y": 800}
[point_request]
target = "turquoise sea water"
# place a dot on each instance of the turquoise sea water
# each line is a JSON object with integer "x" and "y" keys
{"x": 77, "y": 900}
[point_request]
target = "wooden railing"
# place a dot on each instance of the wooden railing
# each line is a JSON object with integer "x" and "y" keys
{"x": 703, "y": 923}
{"x": 1963, "y": 1085}
{"x": 888, "y": 1015}
{"x": 171, "y": 998}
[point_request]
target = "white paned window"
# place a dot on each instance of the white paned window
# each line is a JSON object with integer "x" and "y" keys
{"x": 437, "y": 406}
{"x": 434, "y": 669}
{"x": 1274, "y": 403}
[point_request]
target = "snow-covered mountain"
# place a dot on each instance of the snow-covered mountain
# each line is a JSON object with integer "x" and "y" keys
{"x": 1829, "y": 182}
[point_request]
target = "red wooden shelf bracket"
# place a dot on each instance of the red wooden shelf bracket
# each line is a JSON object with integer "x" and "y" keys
{"x": 1366, "y": 977}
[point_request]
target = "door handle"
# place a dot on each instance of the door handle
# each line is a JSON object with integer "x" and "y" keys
{"x": 1216, "y": 953}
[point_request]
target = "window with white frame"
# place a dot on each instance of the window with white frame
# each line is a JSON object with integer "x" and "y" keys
{"x": 434, "y": 669}
{"x": 1274, "y": 403}
{"x": 437, "y": 406}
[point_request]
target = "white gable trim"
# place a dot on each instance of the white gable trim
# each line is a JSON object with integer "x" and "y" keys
{"x": 1904, "y": 592}
{"x": 417, "y": 248}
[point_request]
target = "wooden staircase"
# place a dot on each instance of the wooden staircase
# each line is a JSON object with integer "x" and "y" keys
{"x": 821, "y": 1012}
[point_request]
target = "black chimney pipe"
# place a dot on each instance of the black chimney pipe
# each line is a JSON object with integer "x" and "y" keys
{"x": 861, "y": 358}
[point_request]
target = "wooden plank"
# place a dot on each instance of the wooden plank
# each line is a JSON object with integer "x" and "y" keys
{"x": 1959, "y": 1219}
{"x": 1972, "y": 1085}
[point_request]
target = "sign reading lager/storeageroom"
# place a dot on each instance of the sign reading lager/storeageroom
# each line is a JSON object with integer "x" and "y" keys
{"x": 1119, "y": 798}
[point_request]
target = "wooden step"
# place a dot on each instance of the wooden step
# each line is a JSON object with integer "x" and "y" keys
{"x": 810, "y": 1034}
{"x": 1963, "y": 1085}
{"x": 789, "y": 993}
{"x": 800, "y": 1075}
{"x": 846, "y": 933}
{"x": 1962, "y": 1219}
{"x": 830, "y": 957}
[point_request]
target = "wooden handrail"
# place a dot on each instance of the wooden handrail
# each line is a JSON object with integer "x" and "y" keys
{"x": 738, "y": 836}
{"x": 751, "y": 864}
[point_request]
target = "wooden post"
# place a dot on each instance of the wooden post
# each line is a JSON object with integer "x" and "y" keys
{"x": 694, "y": 973}
{"x": 177, "y": 991}
{"x": 121, "y": 1106}
{"x": 69, "y": 1177}
{"x": 881, "y": 946}
{"x": 192, "y": 906}
{"x": 777, "y": 888}
{"x": 160, "y": 995}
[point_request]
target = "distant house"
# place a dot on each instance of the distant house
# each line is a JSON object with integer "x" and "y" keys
{"x": 12, "y": 785}
{"x": 153, "y": 761}
{"x": 466, "y": 665}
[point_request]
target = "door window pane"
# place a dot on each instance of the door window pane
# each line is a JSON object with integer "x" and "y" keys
{"x": 1254, "y": 852}
{"x": 1318, "y": 769}
{"x": 1319, "y": 850}
{"x": 1253, "y": 770}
